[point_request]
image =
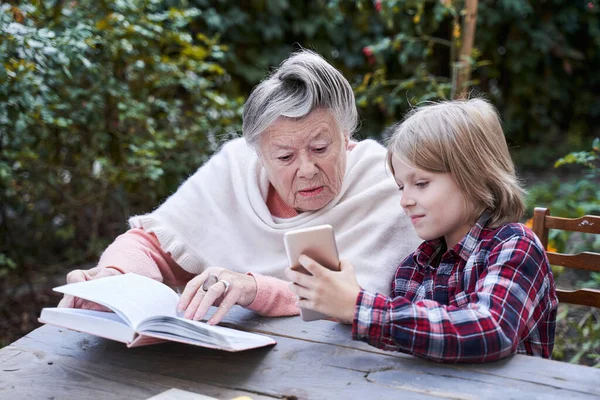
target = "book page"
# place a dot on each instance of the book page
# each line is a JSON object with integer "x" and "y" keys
{"x": 104, "y": 324}
{"x": 202, "y": 334}
{"x": 133, "y": 297}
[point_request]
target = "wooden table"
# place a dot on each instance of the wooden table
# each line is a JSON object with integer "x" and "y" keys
{"x": 315, "y": 360}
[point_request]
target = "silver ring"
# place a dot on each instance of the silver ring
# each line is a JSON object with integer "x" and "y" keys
{"x": 227, "y": 284}
{"x": 211, "y": 280}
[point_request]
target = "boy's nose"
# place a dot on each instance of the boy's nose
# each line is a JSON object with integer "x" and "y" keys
{"x": 406, "y": 200}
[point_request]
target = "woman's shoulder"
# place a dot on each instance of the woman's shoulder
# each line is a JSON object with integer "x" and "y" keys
{"x": 234, "y": 149}
{"x": 235, "y": 144}
{"x": 367, "y": 152}
{"x": 367, "y": 144}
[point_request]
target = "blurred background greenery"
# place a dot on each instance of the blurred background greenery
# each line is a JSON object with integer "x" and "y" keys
{"x": 106, "y": 106}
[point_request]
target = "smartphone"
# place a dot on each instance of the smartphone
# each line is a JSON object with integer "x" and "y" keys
{"x": 318, "y": 243}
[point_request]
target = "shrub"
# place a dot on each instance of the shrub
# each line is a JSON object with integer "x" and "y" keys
{"x": 109, "y": 106}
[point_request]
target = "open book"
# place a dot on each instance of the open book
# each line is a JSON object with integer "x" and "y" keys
{"x": 144, "y": 313}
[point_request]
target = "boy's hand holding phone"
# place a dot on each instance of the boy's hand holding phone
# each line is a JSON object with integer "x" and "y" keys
{"x": 329, "y": 292}
{"x": 318, "y": 276}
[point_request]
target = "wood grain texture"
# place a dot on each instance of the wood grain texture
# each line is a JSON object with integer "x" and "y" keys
{"x": 313, "y": 360}
{"x": 539, "y": 226}
{"x": 589, "y": 261}
{"x": 37, "y": 375}
{"x": 585, "y": 224}
{"x": 583, "y": 297}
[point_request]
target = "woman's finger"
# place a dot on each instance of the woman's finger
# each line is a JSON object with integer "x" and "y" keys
{"x": 210, "y": 297}
{"x": 80, "y": 275}
{"x": 231, "y": 298}
{"x": 90, "y": 305}
{"x": 191, "y": 290}
{"x": 75, "y": 276}
{"x": 193, "y": 305}
{"x": 67, "y": 301}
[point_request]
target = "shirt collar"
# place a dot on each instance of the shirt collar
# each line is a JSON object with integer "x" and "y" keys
{"x": 469, "y": 243}
{"x": 429, "y": 250}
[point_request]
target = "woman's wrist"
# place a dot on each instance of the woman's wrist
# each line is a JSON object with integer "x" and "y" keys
{"x": 250, "y": 290}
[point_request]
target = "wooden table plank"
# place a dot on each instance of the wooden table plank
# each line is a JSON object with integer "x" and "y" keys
{"x": 291, "y": 369}
{"x": 311, "y": 360}
{"x": 306, "y": 369}
{"x": 28, "y": 374}
{"x": 519, "y": 368}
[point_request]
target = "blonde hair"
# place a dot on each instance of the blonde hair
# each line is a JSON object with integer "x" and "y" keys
{"x": 465, "y": 139}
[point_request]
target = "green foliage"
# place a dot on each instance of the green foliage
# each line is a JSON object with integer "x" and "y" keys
{"x": 578, "y": 336}
{"x": 386, "y": 49}
{"x": 412, "y": 58}
{"x": 536, "y": 61}
{"x": 571, "y": 198}
{"x": 541, "y": 75}
{"x": 578, "y": 328}
{"x": 588, "y": 159}
{"x": 108, "y": 106}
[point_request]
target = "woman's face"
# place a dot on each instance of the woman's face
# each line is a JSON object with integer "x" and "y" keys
{"x": 305, "y": 159}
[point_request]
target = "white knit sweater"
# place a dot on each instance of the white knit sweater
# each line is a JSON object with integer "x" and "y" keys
{"x": 219, "y": 217}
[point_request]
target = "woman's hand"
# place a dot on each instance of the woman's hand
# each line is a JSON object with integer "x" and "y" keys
{"x": 330, "y": 292}
{"x": 219, "y": 287}
{"x": 80, "y": 275}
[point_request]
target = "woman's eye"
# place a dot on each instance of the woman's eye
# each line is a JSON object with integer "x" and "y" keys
{"x": 320, "y": 149}
{"x": 284, "y": 158}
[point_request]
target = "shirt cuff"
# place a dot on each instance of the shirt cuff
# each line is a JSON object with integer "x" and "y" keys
{"x": 362, "y": 315}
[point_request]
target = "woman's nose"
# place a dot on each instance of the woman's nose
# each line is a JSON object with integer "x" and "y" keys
{"x": 308, "y": 169}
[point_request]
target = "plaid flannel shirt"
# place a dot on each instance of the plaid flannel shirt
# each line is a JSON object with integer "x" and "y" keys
{"x": 490, "y": 296}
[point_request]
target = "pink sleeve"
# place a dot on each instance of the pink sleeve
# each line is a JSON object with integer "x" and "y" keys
{"x": 273, "y": 297}
{"x": 139, "y": 251}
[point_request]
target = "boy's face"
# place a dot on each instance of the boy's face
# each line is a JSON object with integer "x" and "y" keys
{"x": 434, "y": 203}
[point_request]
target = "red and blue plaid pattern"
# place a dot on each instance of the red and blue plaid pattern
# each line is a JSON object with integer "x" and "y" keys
{"x": 490, "y": 296}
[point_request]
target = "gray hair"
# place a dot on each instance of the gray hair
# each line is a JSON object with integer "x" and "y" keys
{"x": 302, "y": 83}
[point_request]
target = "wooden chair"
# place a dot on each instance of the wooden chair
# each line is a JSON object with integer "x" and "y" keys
{"x": 542, "y": 223}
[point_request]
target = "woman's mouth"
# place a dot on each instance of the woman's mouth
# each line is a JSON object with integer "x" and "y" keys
{"x": 310, "y": 192}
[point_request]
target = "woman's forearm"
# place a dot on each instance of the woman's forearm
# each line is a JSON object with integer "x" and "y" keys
{"x": 139, "y": 252}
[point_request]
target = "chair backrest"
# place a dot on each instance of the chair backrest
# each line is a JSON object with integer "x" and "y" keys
{"x": 542, "y": 223}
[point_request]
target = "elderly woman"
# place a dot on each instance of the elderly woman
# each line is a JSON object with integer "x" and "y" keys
{"x": 221, "y": 233}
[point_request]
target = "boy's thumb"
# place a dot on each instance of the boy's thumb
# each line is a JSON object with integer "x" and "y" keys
{"x": 346, "y": 266}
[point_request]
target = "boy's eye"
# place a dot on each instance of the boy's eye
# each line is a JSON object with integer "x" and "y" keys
{"x": 400, "y": 188}
{"x": 421, "y": 185}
